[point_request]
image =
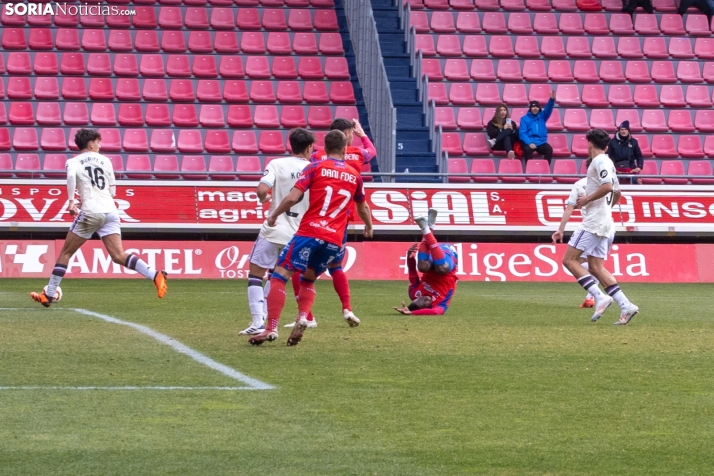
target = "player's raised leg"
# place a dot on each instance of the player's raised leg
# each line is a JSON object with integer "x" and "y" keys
{"x": 571, "y": 261}
{"x": 627, "y": 309}
{"x": 589, "y": 301}
{"x": 306, "y": 298}
{"x": 71, "y": 244}
{"x": 112, "y": 242}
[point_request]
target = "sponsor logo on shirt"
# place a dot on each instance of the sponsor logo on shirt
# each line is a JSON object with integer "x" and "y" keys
{"x": 322, "y": 224}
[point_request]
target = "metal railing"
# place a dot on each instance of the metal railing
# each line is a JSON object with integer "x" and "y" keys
{"x": 375, "y": 83}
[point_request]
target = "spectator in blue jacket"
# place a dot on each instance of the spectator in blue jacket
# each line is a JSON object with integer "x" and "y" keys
{"x": 533, "y": 132}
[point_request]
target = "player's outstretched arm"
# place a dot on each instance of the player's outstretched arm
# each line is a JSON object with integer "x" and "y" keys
{"x": 558, "y": 235}
{"x": 402, "y": 310}
{"x": 293, "y": 197}
{"x": 366, "y": 215}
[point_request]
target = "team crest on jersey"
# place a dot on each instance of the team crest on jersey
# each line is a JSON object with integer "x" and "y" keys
{"x": 603, "y": 174}
{"x": 305, "y": 253}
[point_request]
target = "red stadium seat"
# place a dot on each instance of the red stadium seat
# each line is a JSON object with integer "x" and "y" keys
{"x": 197, "y": 18}
{"x": 451, "y": 143}
{"x": 520, "y": 23}
{"x": 231, "y": 67}
{"x": 266, "y": 117}
{"x": 170, "y": 17}
{"x": 178, "y": 66}
{"x": 594, "y": 95}
{"x": 341, "y": 92}
{"x": 602, "y": 119}
{"x": 424, "y": 43}
{"x": 704, "y": 121}
{"x": 152, "y": 65}
{"x": 45, "y": 63}
{"x": 208, "y": 90}
{"x": 25, "y": 138}
{"x": 173, "y": 42}
{"x": 337, "y": 68}
{"x": 309, "y": 68}
{"x": 76, "y": 114}
{"x": 53, "y": 139}
{"x": 222, "y": 19}
{"x": 700, "y": 168}
{"x": 6, "y": 164}
{"x": 551, "y": 47}
{"x": 653, "y": 120}
{"x": 704, "y": 48}
{"x": 163, "y": 140}
{"x": 576, "y": 120}
{"x": 564, "y": 5}
{"x": 578, "y": 47}
{"x": 64, "y": 19}
{"x": 300, "y": 20}
{"x": 240, "y": 116}
{"x": 538, "y": 167}
{"x": 655, "y": 48}
{"x": 21, "y": 114}
{"x": 220, "y": 166}
{"x": 279, "y": 43}
{"x": 646, "y": 96}
{"x": 698, "y": 25}
{"x": 559, "y": 71}
{"x": 138, "y": 163}
{"x": 41, "y": 39}
{"x": 637, "y": 72}
{"x": 482, "y": 70}
{"x": 469, "y": 118}
{"x": 292, "y": 116}
{"x": 164, "y": 164}
{"x": 698, "y": 96}
{"x": 663, "y": 146}
{"x": 596, "y": 24}
{"x": 420, "y": 21}
{"x": 501, "y": 46}
{"x": 444, "y": 117}
{"x": 631, "y": 115}
{"x": 509, "y": 70}
{"x": 145, "y": 17}
{"x": 330, "y": 44}
{"x": 131, "y": 114}
{"x": 708, "y": 72}
{"x": 14, "y": 39}
{"x": 475, "y": 144}
{"x": 304, "y": 43}
{"x": 4, "y": 139}
{"x": 586, "y": 71}
{"x": 620, "y": 96}
{"x": 534, "y": 71}
{"x": 27, "y": 166}
{"x": 103, "y": 114}
{"x": 271, "y": 142}
{"x": 689, "y": 72}
{"x": 559, "y": 142}
{"x": 190, "y": 141}
{"x": 226, "y": 42}
{"x": 494, "y": 23}
{"x": 136, "y": 140}
{"x": 45, "y": 88}
{"x": 680, "y": 121}
{"x": 468, "y": 22}
{"x": 204, "y": 66}
{"x": 481, "y": 167}
{"x": 18, "y": 63}
{"x": 442, "y": 22}
{"x": 545, "y": 24}
{"x": 681, "y": 48}
{"x": 672, "y": 96}
{"x": 184, "y": 115}
{"x": 488, "y": 94}
{"x": 567, "y": 171}
{"x": 515, "y": 95}
{"x": 664, "y": 5}
{"x": 211, "y": 116}
{"x": 646, "y": 24}
{"x": 650, "y": 168}
{"x": 73, "y": 88}
{"x": 673, "y": 167}
{"x": 629, "y": 48}
{"x": 690, "y": 147}
{"x": 146, "y": 41}
{"x": 244, "y": 142}
{"x": 325, "y": 20}
{"x": 571, "y": 24}
{"x": 200, "y": 42}
{"x": 568, "y": 95}
{"x": 458, "y": 166}
{"x": 319, "y": 117}
{"x": 709, "y": 146}
{"x": 448, "y": 45}
{"x": 191, "y": 165}
{"x": 671, "y": 25}
{"x": 153, "y": 90}
{"x": 621, "y": 24}
{"x": 252, "y": 43}
{"x": 506, "y": 166}
{"x": 611, "y": 72}
{"x": 181, "y": 90}
{"x": 249, "y": 165}
{"x": 487, "y": 5}
{"x": 284, "y": 68}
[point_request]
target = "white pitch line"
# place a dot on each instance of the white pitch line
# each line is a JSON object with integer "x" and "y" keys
{"x": 183, "y": 349}
{"x": 127, "y": 388}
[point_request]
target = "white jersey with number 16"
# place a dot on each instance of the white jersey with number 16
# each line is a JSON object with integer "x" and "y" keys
{"x": 94, "y": 175}
{"x": 598, "y": 213}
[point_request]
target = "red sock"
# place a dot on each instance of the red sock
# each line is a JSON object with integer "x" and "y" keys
{"x": 276, "y": 302}
{"x": 342, "y": 287}
{"x": 306, "y": 298}
{"x": 437, "y": 254}
{"x": 296, "y": 290}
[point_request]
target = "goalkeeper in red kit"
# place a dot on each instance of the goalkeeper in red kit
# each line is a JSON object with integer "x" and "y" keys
{"x": 431, "y": 292}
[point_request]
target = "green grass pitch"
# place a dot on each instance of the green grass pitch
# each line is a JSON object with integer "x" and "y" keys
{"x": 513, "y": 380}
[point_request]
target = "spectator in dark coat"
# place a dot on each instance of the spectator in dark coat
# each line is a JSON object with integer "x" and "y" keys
{"x": 705, "y": 6}
{"x": 629, "y": 6}
{"x": 502, "y": 131}
{"x": 625, "y": 153}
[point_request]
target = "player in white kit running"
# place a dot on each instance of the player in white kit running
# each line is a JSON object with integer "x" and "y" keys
{"x": 577, "y": 190}
{"x": 602, "y": 190}
{"x": 279, "y": 178}
{"x": 92, "y": 174}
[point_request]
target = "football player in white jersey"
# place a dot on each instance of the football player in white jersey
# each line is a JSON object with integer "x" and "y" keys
{"x": 279, "y": 178}
{"x": 577, "y": 190}
{"x": 92, "y": 175}
{"x": 592, "y": 237}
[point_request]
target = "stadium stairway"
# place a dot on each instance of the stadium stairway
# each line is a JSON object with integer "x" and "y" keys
{"x": 413, "y": 152}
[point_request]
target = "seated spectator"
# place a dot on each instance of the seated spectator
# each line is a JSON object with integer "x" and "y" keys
{"x": 705, "y": 6}
{"x": 625, "y": 153}
{"x": 533, "y": 132}
{"x": 629, "y": 6}
{"x": 502, "y": 131}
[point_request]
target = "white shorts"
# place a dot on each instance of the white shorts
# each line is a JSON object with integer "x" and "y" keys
{"x": 264, "y": 253}
{"x": 86, "y": 224}
{"x": 591, "y": 244}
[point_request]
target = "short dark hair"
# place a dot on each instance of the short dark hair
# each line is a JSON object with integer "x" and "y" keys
{"x": 300, "y": 140}
{"x": 335, "y": 141}
{"x": 85, "y": 136}
{"x": 598, "y": 138}
{"x": 341, "y": 124}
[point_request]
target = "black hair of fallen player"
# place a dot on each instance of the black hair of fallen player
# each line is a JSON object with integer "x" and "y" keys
{"x": 300, "y": 139}
{"x": 335, "y": 141}
{"x": 341, "y": 124}
{"x": 599, "y": 138}
{"x": 85, "y": 136}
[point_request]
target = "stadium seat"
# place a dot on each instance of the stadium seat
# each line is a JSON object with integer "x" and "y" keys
{"x": 48, "y": 114}
{"x": 689, "y": 72}
{"x": 220, "y": 166}
{"x": 538, "y": 167}
{"x": 468, "y": 22}
{"x": 164, "y": 165}
{"x": 698, "y": 25}
{"x": 475, "y": 144}
{"x": 578, "y": 47}
{"x": 709, "y": 146}
{"x": 576, "y": 120}
{"x": 18, "y": 88}
{"x": 208, "y": 90}
{"x": 646, "y": 95}
{"x": 551, "y": 47}
{"x": 184, "y": 115}
{"x": 196, "y": 18}
{"x": 455, "y": 4}
{"x": 249, "y": 165}
{"x": 621, "y": 24}
{"x": 14, "y": 39}
{"x": 655, "y": 48}
{"x": 513, "y": 5}
{"x": 698, "y": 168}
{"x": 152, "y": 66}
{"x": 650, "y": 168}
{"x": 442, "y": 22}
{"x": 515, "y": 95}
{"x": 45, "y": 63}
{"x": 136, "y": 140}
{"x": 103, "y": 114}
{"x": 611, "y": 72}
{"x": 673, "y": 167}
{"x": 494, "y": 23}
{"x": 73, "y": 88}
{"x": 6, "y": 164}
{"x": 469, "y": 118}
{"x": 173, "y": 42}
{"x": 330, "y": 44}
{"x": 534, "y": 71}
{"x": 4, "y": 139}
{"x": 25, "y": 138}
{"x": 424, "y": 43}
{"x": 45, "y": 88}
{"x": 698, "y": 96}
{"x": 571, "y": 24}
{"x": 481, "y": 167}
{"x": 162, "y": 140}
{"x": 21, "y": 114}
{"x": 252, "y": 43}
{"x": 266, "y": 117}
{"x": 559, "y": 71}
{"x": 448, "y": 45}
{"x": 602, "y": 119}
{"x": 451, "y": 143}
{"x": 567, "y": 95}
{"x": 419, "y": 20}
{"x": 567, "y": 171}
{"x": 680, "y": 48}
{"x": 190, "y": 141}
{"x": 593, "y": 95}
{"x": 482, "y": 70}
{"x": 140, "y": 164}
{"x": 318, "y": 117}
{"x": 637, "y": 72}
{"x": 222, "y": 18}
{"x": 690, "y": 147}
{"x": 27, "y": 166}
{"x": 708, "y": 72}
{"x": 545, "y": 24}
{"x": 487, "y": 5}
{"x": 564, "y": 5}
{"x": 620, "y": 96}
{"x": 586, "y": 71}
{"x": 596, "y": 24}
{"x": 475, "y": 46}
{"x": 18, "y": 63}
{"x": 704, "y": 48}
{"x": 631, "y": 115}
{"x": 146, "y": 41}
{"x": 501, "y": 47}
{"x": 304, "y": 43}
{"x": 191, "y": 165}
{"x": 672, "y": 96}
{"x": 41, "y": 39}
{"x": 211, "y": 116}
{"x": 653, "y": 120}
{"x": 489, "y": 94}
{"x": 664, "y": 6}
{"x": 604, "y": 47}
{"x": 671, "y": 25}
{"x": 680, "y": 121}
{"x": 225, "y": 42}
{"x": 646, "y": 24}
{"x": 279, "y": 43}
{"x": 444, "y": 117}
{"x": 629, "y": 48}
{"x": 53, "y": 139}
{"x": 292, "y": 116}
{"x": 204, "y": 66}
{"x": 704, "y": 121}
{"x": 510, "y": 70}
{"x": 131, "y": 114}
{"x": 506, "y": 166}
{"x": 663, "y": 146}
{"x": 579, "y": 146}
{"x": 527, "y": 47}
{"x": 178, "y": 66}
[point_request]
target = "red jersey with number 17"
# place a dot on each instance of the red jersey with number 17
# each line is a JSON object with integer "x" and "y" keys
{"x": 333, "y": 187}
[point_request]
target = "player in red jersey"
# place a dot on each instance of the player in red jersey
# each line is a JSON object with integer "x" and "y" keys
{"x": 318, "y": 242}
{"x": 432, "y": 292}
{"x": 356, "y": 158}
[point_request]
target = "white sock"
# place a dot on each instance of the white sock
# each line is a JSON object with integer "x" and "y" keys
{"x": 588, "y": 296}
{"x": 590, "y": 285}
{"x": 616, "y": 293}
{"x": 256, "y": 300}
{"x": 266, "y": 290}
{"x": 55, "y": 279}
{"x": 140, "y": 266}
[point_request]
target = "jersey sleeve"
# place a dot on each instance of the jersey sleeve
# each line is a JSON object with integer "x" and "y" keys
{"x": 605, "y": 170}
{"x": 573, "y": 197}
{"x": 305, "y": 181}
{"x": 434, "y": 311}
{"x": 270, "y": 175}
{"x": 359, "y": 195}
